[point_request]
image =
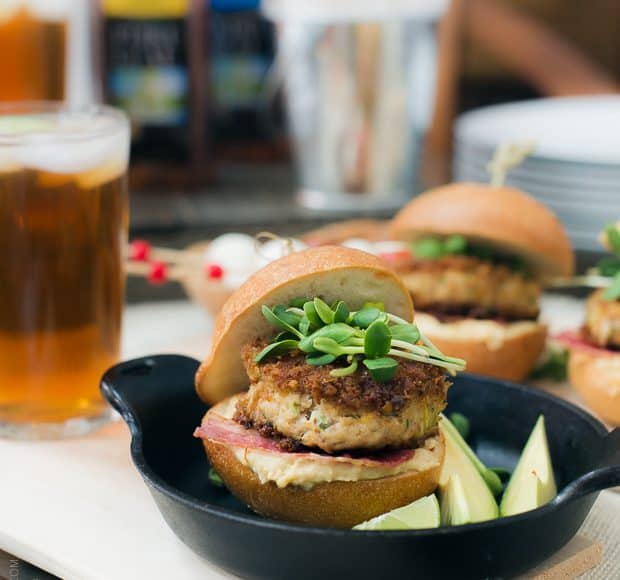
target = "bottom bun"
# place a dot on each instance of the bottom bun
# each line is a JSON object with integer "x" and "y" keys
{"x": 337, "y": 504}
{"x": 596, "y": 377}
{"x": 503, "y": 350}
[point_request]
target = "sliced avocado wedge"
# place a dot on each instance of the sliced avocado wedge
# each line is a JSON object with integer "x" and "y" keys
{"x": 420, "y": 514}
{"x": 532, "y": 483}
{"x": 465, "y": 496}
{"x": 491, "y": 478}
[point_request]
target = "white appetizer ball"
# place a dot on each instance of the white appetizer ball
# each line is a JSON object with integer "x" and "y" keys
{"x": 277, "y": 248}
{"x": 236, "y": 254}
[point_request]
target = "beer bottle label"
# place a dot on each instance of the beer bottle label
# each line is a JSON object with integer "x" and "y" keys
{"x": 146, "y": 55}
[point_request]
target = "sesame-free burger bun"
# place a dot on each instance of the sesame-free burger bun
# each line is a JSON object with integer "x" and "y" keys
{"x": 340, "y": 504}
{"x": 503, "y": 217}
{"x": 596, "y": 377}
{"x": 503, "y": 350}
{"x": 330, "y": 272}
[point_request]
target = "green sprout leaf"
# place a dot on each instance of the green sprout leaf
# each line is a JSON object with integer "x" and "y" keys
{"x": 341, "y": 311}
{"x": 272, "y": 318}
{"x": 554, "y": 367}
{"x": 312, "y": 315}
{"x": 327, "y": 345}
{"x": 289, "y": 317}
{"x": 345, "y": 371}
{"x": 612, "y": 292}
{"x": 406, "y": 332}
{"x": 338, "y": 331}
{"x": 377, "y": 340}
{"x": 298, "y": 302}
{"x": 609, "y": 266}
{"x": 326, "y": 314}
{"x": 214, "y": 478}
{"x": 377, "y": 305}
{"x": 318, "y": 360}
{"x": 366, "y": 316}
{"x": 456, "y": 244}
{"x": 304, "y": 325}
{"x": 382, "y": 369}
{"x": 613, "y": 238}
{"x": 428, "y": 248}
{"x": 276, "y": 349}
{"x": 461, "y": 423}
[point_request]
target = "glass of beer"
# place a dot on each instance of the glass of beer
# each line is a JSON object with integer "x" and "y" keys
{"x": 63, "y": 227}
{"x": 33, "y": 47}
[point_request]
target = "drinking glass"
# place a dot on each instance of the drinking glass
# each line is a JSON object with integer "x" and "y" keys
{"x": 63, "y": 227}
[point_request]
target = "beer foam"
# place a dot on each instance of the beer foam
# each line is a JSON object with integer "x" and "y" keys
{"x": 51, "y": 10}
{"x": 66, "y": 144}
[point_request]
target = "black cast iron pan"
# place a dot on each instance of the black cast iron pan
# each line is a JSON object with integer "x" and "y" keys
{"x": 156, "y": 397}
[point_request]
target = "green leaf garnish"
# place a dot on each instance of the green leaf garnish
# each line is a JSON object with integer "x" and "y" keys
{"x": 609, "y": 266}
{"x": 276, "y": 349}
{"x": 456, "y": 244}
{"x": 341, "y": 311}
{"x": 323, "y": 333}
{"x": 214, "y": 478}
{"x": 612, "y": 292}
{"x": 285, "y": 315}
{"x": 613, "y": 238}
{"x": 318, "y": 360}
{"x": 312, "y": 315}
{"x": 276, "y": 321}
{"x": 377, "y": 340}
{"x": 377, "y": 305}
{"x": 428, "y": 248}
{"x": 345, "y": 371}
{"x": 382, "y": 369}
{"x": 554, "y": 367}
{"x": 298, "y": 302}
{"x": 338, "y": 331}
{"x": 326, "y": 314}
{"x": 406, "y": 332}
{"x": 366, "y": 316}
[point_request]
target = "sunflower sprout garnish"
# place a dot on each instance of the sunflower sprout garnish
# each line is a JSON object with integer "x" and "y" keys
{"x": 370, "y": 336}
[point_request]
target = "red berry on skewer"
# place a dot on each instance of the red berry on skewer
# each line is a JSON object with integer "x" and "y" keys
{"x": 139, "y": 250}
{"x": 158, "y": 273}
{"x": 214, "y": 271}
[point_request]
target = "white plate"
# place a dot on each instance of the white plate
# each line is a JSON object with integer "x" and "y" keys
{"x": 577, "y": 129}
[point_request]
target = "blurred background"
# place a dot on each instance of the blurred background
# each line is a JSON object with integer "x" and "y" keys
{"x": 287, "y": 115}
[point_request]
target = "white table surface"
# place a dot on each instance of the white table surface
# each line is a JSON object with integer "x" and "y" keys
{"x": 79, "y": 509}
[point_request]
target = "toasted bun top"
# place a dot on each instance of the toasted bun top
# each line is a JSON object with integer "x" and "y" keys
{"x": 330, "y": 272}
{"x": 504, "y": 217}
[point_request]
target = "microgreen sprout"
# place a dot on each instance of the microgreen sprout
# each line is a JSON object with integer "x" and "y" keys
{"x": 371, "y": 336}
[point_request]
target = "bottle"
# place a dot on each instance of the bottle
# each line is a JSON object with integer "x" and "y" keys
{"x": 153, "y": 66}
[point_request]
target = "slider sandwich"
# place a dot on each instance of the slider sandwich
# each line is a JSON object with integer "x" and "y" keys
{"x": 479, "y": 258}
{"x": 326, "y": 396}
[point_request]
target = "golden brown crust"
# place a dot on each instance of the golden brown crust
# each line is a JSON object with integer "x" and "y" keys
{"x": 511, "y": 360}
{"x": 338, "y": 504}
{"x": 331, "y": 272}
{"x": 338, "y": 232}
{"x": 505, "y": 217}
{"x": 596, "y": 377}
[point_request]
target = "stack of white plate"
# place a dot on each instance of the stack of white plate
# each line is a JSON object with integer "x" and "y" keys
{"x": 575, "y": 166}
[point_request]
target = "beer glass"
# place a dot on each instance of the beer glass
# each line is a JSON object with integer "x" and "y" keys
{"x": 63, "y": 227}
{"x": 33, "y": 46}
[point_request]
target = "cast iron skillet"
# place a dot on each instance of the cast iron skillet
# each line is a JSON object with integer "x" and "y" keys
{"x": 155, "y": 395}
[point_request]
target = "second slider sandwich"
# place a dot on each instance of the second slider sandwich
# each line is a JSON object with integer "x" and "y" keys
{"x": 326, "y": 396}
{"x": 479, "y": 258}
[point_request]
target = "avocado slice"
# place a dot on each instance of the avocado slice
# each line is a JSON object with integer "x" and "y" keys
{"x": 491, "y": 478}
{"x": 532, "y": 483}
{"x": 465, "y": 496}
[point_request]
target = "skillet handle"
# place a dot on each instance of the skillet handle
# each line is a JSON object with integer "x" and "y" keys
{"x": 606, "y": 476}
{"x": 137, "y": 387}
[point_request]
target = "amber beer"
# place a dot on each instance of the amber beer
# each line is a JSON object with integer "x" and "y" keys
{"x": 63, "y": 225}
{"x": 33, "y": 43}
